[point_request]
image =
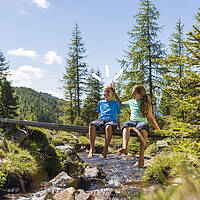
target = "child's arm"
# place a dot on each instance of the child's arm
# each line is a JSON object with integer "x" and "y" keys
{"x": 153, "y": 121}
{"x": 99, "y": 116}
{"x": 116, "y": 96}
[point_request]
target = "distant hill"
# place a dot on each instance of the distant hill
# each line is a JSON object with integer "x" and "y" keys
{"x": 37, "y": 106}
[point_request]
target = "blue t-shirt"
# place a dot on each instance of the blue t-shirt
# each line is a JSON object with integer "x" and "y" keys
{"x": 108, "y": 110}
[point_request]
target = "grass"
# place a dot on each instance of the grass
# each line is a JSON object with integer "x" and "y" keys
{"x": 169, "y": 165}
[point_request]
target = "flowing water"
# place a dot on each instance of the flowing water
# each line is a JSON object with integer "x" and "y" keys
{"x": 119, "y": 169}
{"x": 121, "y": 173}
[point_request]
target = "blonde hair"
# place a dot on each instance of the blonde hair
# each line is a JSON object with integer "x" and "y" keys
{"x": 145, "y": 105}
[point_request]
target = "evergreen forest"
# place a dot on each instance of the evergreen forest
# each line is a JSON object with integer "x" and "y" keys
{"x": 37, "y": 106}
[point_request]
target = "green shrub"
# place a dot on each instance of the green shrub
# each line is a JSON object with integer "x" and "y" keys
{"x": 171, "y": 165}
{"x": 18, "y": 161}
{"x": 2, "y": 178}
{"x": 189, "y": 189}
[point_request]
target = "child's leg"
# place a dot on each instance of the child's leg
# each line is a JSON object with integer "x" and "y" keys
{"x": 126, "y": 136}
{"x": 108, "y": 137}
{"x": 92, "y": 136}
{"x": 141, "y": 138}
{"x": 142, "y": 147}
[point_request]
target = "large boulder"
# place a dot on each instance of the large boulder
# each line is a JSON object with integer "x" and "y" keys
{"x": 63, "y": 180}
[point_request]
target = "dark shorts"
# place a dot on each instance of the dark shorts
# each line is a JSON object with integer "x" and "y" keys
{"x": 137, "y": 125}
{"x": 100, "y": 124}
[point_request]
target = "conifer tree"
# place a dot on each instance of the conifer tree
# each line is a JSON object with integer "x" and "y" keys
{"x": 186, "y": 97}
{"x": 175, "y": 62}
{"x": 140, "y": 63}
{"x": 3, "y": 66}
{"x": 93, "y": 92}
{"x": 8, "y": 100}
{"x": 193, "y": 43}
{"x": 74, "y": 77}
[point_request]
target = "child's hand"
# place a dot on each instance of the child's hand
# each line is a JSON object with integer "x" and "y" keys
{"x": 112, "y": 85}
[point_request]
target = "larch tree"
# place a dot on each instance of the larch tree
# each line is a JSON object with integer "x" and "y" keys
{"x": 174, "y": 62}
{"x": 141, "y": 64}
{"x": 186, "y": 96}
{"x": 193, "y": 43}
{"x": 74, "y": 77}
{"x": 8, "y": 99}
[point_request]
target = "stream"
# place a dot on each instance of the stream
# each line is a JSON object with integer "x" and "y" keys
{"x": 121, "y": 174}
{"x": 119, "y": 169}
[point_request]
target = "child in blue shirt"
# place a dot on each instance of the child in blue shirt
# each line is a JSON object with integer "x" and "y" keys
{"x": 108, "y": 118}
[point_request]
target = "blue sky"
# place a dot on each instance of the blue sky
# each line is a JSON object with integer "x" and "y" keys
{"x": 34, "y": 35}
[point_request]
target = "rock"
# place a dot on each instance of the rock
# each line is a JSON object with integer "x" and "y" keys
{"x": 83, "y": 183}
{"x": 102, "y": 194}
{"x": 47, "y": 194}
{"x": 70, "y": 167}
{"x": 63, "y": 180}
{"x": 70, "y": 151}
{"x": 82, "y": 195}
{"x": 66, "y": 149}
{"x": 94, "y": 172}
{"x": 67, "y": 194}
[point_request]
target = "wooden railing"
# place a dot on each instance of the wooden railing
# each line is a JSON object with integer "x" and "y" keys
{"x": 70, "y": 128}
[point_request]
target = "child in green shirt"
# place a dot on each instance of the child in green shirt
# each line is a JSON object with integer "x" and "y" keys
{"x": 141, "y": 109}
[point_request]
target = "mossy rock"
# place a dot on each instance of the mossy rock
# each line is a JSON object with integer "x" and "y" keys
{"x": 18, "y": 163}
{"x": 36, "y": 159}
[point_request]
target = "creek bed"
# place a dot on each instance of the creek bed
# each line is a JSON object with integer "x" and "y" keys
{"x": 121, "y": 173}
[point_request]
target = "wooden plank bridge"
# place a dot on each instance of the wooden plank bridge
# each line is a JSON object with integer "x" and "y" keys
{"x": 70, "y": 128}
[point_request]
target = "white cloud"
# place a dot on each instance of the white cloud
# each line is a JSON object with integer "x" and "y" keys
{"x": 51, "y": 57}
{"x": 25, "y": 75}
{"x": 23, "y": 52}
{"x": 35, "y": 72}
{"x": 59, "y": 95}
{"x": 41, "y": 3}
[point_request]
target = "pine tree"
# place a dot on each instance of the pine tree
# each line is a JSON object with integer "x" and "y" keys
{"x": 186, "y": 96}
{"x": 175, "y": 62}
{"x": 74, "y": 77}
{"x": 8, "y": 100}
{"x": 178, "y": 50}
{"x": 93, "y": 94}
{"x": 193, "y": 43}
{"x": 3, "y": 66}
{"x": 140, "y": 63}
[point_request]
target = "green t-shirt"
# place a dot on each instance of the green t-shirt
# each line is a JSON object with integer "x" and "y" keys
{"x": 134, "y": 105}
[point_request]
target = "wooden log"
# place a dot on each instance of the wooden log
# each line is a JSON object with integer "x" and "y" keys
{"x": 70, "y": 128}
